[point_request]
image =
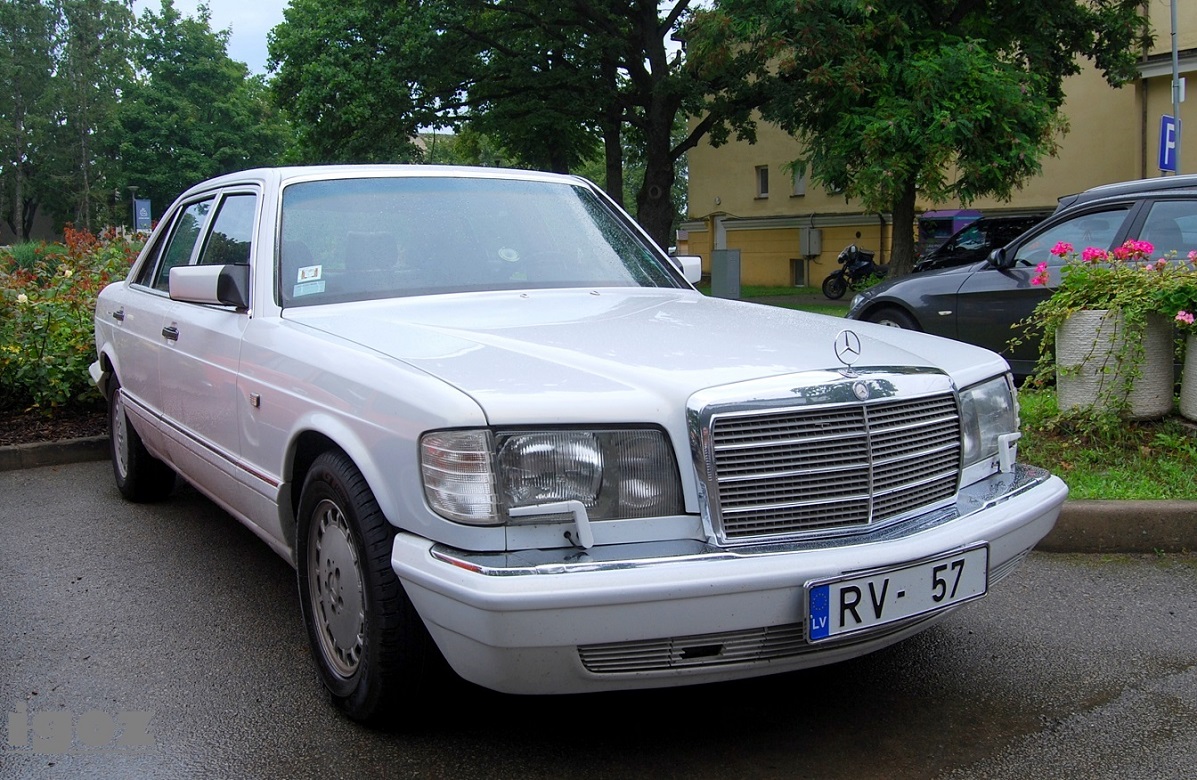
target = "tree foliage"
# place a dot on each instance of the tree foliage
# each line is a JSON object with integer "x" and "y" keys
{"x": 191, "y": 112}
{"x": 61, "y": 67}
{"x": 951, "y": 99}
{"x": 549, "y": 80}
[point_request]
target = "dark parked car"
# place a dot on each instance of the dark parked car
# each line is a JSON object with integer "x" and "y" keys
{"x": 979, "y": 303}
{"x": 975, "y": 241}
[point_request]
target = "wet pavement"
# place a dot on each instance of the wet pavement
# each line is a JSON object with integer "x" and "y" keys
{"x": 165, "y": 641}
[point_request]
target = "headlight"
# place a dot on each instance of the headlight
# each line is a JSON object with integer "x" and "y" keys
{"x": 477, "y": 476}
{"x": 989, "y": 424}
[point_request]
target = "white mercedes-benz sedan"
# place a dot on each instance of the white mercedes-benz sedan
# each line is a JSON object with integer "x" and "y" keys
{"x": 488, "y": 420}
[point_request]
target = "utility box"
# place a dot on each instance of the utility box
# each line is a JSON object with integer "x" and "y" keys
{"x": 810, "y": 242}
{"x": 725, "y": 273}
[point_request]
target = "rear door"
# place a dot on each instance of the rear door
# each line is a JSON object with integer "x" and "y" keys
{"x": 139, "y": 321}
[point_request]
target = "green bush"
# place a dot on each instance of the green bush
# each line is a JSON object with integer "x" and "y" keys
{"x": 47, "y": 301}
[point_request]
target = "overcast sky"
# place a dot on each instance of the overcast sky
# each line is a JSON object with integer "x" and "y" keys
{"x": 247, "y": 20}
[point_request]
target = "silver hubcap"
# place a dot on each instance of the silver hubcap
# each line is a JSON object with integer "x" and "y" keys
{"x": 335, "y": 587}
{"x": 120, "y": 435}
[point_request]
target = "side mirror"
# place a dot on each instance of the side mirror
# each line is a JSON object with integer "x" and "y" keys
{"x": 690, "y": 266}
{"x": 220, "y": 285}
{"x": 998, "y": 259}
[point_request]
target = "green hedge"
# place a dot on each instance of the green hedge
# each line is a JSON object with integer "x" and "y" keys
{"x": 47, "y": 301}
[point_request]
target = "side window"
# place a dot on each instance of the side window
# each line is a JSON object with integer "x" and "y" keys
{"x": 1097, "y": 228}
{"x": 232, "y": 232}
{"x": 1171, "y": 226}
{"x": 187, "y": 230}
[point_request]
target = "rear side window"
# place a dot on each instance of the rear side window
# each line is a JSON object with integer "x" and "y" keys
{"x": 1171, "y": 226}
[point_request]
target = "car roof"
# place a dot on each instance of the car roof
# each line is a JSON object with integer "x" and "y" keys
{"x": 287, "y": 174}
{"x": 1134, "y": 187}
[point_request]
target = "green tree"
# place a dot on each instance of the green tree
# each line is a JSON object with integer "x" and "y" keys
{"x": 953, "y": 100}
{"x": 26, "y": 65}
{"x": 545, "y": 80}
{"x": 90, "y": 68}
{"x": 191, "y": 112}
{"x": 61, "y": 66}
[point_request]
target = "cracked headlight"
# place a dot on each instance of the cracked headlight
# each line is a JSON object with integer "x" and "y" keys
{"x": 477, "y": 476}
{"x": 989, "y": 427}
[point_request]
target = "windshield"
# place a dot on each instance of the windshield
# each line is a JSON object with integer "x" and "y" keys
{"x": 359, "y": 239}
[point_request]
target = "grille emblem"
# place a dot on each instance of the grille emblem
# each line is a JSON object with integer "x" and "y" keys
{"x": 847, "y": 347}
{"x": 860, "y": 390}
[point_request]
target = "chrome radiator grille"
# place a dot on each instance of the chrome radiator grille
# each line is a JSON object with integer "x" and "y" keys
{"x": 833, "y": 468}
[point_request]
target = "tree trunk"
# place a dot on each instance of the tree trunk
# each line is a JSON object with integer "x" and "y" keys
{"x": 611, "y": 124}
{"x": 902, "y": 260}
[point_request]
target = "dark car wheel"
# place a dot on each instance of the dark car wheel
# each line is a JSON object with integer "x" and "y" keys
{"x": 369, "y": 643}
{"x": 894, "y": 318}
{"x": 139, "y": 475}
{"x": 834, "y": 287}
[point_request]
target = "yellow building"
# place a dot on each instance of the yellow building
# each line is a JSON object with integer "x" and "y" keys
{"x": 788, "y": 233}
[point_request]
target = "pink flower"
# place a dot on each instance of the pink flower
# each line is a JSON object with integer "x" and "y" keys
{"x": 1138, "y": 249}
{"x": 1062, "y": 248}
{"x": 1040, "y": 277}
{"x": 1193, "y": 256}
{"x": 1184, "y": 317}
{"x": 1093, "y": 255}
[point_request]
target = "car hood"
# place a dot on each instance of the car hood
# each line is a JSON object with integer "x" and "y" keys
{"x": 540, "y": 354}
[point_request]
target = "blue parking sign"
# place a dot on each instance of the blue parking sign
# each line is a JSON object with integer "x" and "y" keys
{"x": 1168, "y": 132}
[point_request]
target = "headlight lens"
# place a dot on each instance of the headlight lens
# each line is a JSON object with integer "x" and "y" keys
{"x": 990, "y": 410}
{"x": 475, "y": 476}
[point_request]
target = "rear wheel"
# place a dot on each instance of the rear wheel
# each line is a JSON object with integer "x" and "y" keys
{"x": 894, "y": 318}
{"x": 370, "y": 645}
{"x": 835, "y": 286}
{"x": 139, "y": 475}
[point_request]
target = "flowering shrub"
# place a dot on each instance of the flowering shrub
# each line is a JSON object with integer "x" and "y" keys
{"x": 1125, "y": 280}
{"x": 47, "y": 300}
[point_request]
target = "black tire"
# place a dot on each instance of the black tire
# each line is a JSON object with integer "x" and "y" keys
{"x": 140, "y": 477}
{"x": 371, "y": 648}
{"x": 835, "y": 286}
{"x": 894, "y": 318}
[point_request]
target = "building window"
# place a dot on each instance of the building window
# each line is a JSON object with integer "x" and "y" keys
{"x": 762, "y": 181}
{"x": 799, "y": 183}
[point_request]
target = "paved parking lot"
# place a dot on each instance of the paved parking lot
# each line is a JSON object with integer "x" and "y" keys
{"x": 165, "y": 641}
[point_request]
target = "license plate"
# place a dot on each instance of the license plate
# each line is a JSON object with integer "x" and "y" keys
{"x": 838, "y": 606}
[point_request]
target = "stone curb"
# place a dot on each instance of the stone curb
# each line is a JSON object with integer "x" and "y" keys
{"x": 1083, "y": 527}
{"x": 53, "y": 453}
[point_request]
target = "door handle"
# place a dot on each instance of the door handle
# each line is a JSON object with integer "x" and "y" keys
{"x": 119, "y": 315}
{"x": 171, "y": 333}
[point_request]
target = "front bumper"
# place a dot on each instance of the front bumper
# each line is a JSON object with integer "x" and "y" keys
{"x": 652, "y": 615}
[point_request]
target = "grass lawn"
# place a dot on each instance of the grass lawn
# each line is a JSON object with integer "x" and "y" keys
{"x": 1132, "y": 461}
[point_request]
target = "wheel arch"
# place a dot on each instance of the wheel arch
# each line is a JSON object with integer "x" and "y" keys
{"x": 874, "y": 307}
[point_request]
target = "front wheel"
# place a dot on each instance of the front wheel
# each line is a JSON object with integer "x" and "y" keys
{"x": 369, "y": 643}
{"x": 894, "y": 318}
{"x": 139, "y": 475}
{"x": 835, "y": 286}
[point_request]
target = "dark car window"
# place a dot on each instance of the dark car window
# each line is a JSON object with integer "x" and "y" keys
{"x": 186, "y": 232}
{"x": 1096, "y": 228}
{"x": 232, "y": 231}
{"x": 1171, "y": 226}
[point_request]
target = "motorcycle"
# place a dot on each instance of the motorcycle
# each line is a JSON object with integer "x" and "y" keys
{"x": 857, "y": 266}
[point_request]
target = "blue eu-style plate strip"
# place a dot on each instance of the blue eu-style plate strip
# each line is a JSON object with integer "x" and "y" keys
{"x": 819, "y": 626}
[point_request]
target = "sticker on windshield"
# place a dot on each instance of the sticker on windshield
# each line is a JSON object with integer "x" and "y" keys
{"x": 307, "y": 288}
{"x": 310, "y": 273}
